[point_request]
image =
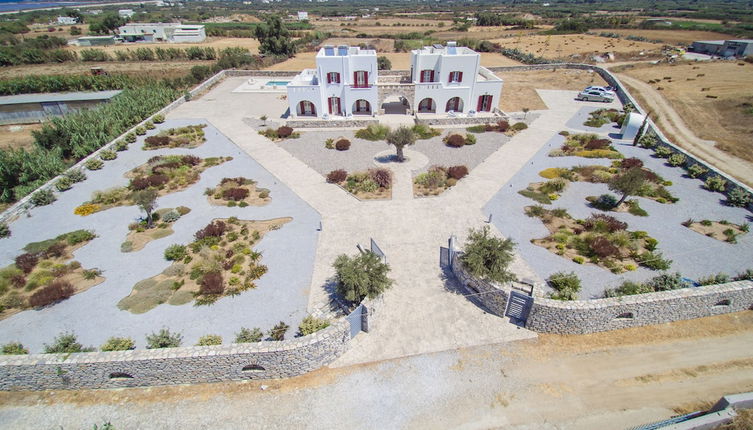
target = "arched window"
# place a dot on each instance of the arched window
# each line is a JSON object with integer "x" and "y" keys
{"x": 306, "y": 108}
{"x": 362, "y": 106}
{"x": 427, "y": 105}
{"x": 454, "y": 104}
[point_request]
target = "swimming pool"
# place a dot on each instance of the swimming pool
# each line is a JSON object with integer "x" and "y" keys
{"x": 278, "y": 83}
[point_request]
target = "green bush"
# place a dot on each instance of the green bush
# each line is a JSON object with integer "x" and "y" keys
{"x": 738, "y": 198}
{"x": 118, "y": 344}
{"x": 481, "y": 128}
{"x": 519, "y": 126}
{"x": 140, "y": 130}
{"x": 716, "y": 183}
{"x": 648, "y": 140}
{"x": 163, "y": 339}
{"x": 130, "y": 138}
{"x": 246, "y": 335}
{"x": 77, "y": 236}
{"x": 719, "y": 278}
{"x": 175, "y": 252}
{"x": 4, "y": 230}
{"x": 311, "y": 324}
{"x": 605, "y": 202}
{"x": 209, "y": 340}
{"x": 488, "y": 257}
{"x": 278, "y": 331}
{"x": 94, "y": 164}
{"x": 14, "y": 348}
{"x": 677, "y": 159}
{"x": 425, "y": 132}
{"x": 65, "y": 343}
{"x": 654, "y": 261}
{"x": 158, "y": 119}
{"x": 663, "y": 152}
{"x": 108, "y": 155}
{"x": 565, "y": 285}
{"x": 64, "y": 184}
{"x": 149, "y": 125}
{"x": 364, "y": 275}
{"x": 76, "y": 175}
{"x": 43, "y": 198}
{"x": 373, "y": 132}
{"x": 696, "y": 170}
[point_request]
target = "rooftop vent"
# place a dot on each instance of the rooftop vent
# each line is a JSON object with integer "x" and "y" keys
{"x": 342, "y": 50}
{"x": 329, "y": 50}
{"x": 437, "y": 46}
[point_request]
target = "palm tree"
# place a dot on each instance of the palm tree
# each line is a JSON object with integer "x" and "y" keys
{"x": 400, "y": 138}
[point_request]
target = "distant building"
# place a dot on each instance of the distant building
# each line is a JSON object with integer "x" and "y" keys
{"x": 303, "y": 16}
{"x": 723, "y": 48}
{"x": 67, "y": 20}
{"x": 126, "y": 13}
{"x": 94, "y": 41}
{"x": 30, "y": 108}
{"x": 162, "y": 32}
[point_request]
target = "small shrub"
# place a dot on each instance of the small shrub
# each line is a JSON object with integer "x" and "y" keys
{"x": 676, "y": 160}
{"x": 149, "y": 125}
{"x": 163, "y": 339}
{"x": 64, "y": 184}
{"x": 311, "y": 324}
{"x": 79, "y": 236}
{"x": 43, "y": 198}
{"x": 519, "y": 126}
{"x": 663, "y": 152}
{"x": 278, "y": 331}
{"x": 502, "y": 126}
{"x": 246, "y": 335}
{"x": 66, "y": 343}
{"x": 76, "y": 175}
{"x": 337, "y": 176}
{"x": 284, "y": 132}
{"x": 630, "y": 163}
{"x": 211, "y": 283}
{"x": 425, "y": 132}
{"x": 235, "y": 194}
{"x": 108, "y": 155}
{"x": 455, "y": 141}
{"x": 156, "y": 141}
{"x": 477, "y": 128}
{"x": 373, "y": 132}
{"x": 605, "y": 202}
{"x": 213, "y": 229}
{"x": 118, "y": 344}
{"x": 329, "y": 143}
{"x": 26, "y": 262}
{"x": 457, "y": 172}
{"x": 602, "y": 247}
{"x": 342, "y": 145}
{"x": 470, "y": 139}
{"x": 4, "y": 230}
{"x": 654, "y": 261}
{"x": 14, "y": 348}
{"x": 126, "y": 246}
{"x": 697, "y": 170}
{"x": 382, "y": 177}
{"x": 566, "y": 285}
{"x": 719, "y": 278}
{"x": 716, "y": 183}
{"x": 564, "y": 133}
{"x": 87, "y": 209}
{"x": 175, "y": 252}
{"x": 94, "y": 164}
{"x": 140, "y": 130}
{"x": 738, "y": 197}
{"x": 158, "y": 119}
{"x": 209, "y": 340}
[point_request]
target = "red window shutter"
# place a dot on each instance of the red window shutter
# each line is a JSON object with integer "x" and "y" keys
{"x": 431, "y": 76}
{"x": 460, "y": 76}
{"x": 480, "y": 104}
{"x": 337, "y": 78}
{"x": 450, "y": 78}
{"x": 365, "y": 79}
{"x": 329, "y": 79}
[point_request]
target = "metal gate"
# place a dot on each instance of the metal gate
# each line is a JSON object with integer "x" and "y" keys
{"x": 355, "y": 319}
{"x": 444, "y": 257}
{"x": 378, "y": 251}
{"x": 518, "y": 306}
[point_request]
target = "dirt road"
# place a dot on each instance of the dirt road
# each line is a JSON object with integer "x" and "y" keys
{"x": 676, "y": 129}
{"x": 603, "y": 381}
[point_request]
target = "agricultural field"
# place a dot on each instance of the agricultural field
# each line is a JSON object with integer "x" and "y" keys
{"x": 579, "y": 46}
{"x": 672, "y": 37}
{"x": 17, "y": 136}
{"x": 713, "y": 98}
{"x": 217, "y": 43}
{"x": 156, "y": 69}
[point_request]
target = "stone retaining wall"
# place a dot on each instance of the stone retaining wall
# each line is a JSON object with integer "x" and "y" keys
{"x": 185, "y": 365}
{"x": 331, "y": 123}
{"x": 590, "y": 316}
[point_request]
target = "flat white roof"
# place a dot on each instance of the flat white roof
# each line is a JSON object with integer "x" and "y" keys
{"x": 344, "y": 50}
{"x": 57, "y": 97}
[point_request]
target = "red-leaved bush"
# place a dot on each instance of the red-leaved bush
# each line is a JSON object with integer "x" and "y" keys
{"x": 611, "y": 223}
{"x": 211, "y": 283}
{"x": 213, "y": 229}
{"x": 457, "y": 172}
{"x": 382, "y": 177}
{"x": 602, "y": 247}
{"x": 156, "y": 141}
{"x": 503, "y": 126}
{"x": 284, "y": 131}
{"x": 236, "y": 194}
{"x": 26, "y": 262}
{"x": 55, "y": 291}
{"x": 455, "y": 140}
{"x": 336, "y": 176}
{"x": 598, "y": 144}
{"x": 342, "y": 145}
{"x": 629, "y": 163}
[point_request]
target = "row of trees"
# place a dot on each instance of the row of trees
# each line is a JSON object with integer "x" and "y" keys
{"x": 156, "y": 54}
{"x": 491, "y": 19}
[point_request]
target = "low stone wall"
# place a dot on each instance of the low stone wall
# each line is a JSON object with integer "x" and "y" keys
{"x": 331, "y": 123}
{"x": 590, "y": 316}
{"x": 464, "y": 120}
{"x": 186, "y": 365}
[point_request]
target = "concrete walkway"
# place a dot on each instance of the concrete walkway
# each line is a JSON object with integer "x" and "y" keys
{"x": 423, "y": 312}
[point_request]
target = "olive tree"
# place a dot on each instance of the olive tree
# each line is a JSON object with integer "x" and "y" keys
{"x": 362, "y": 276}
{"x": 146, "y": 200}
{"x": 488, "y": 257}
{"x": 400, "y": 138}
{"x": 628, "y": 183}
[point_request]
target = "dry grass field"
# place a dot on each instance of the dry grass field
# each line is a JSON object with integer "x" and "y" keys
{"x": 155, "y": 69}
{"x": 17, "y": 136}
{"x": 519, "y": 90}
{"x": 574, "y": 45}
{"x": 672, "y": 37}
{"x": 714, "y": 99}
{"x": 214, "y": 42}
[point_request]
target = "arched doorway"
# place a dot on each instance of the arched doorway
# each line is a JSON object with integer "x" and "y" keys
{"x": 427, "y": 105}
{"x": 361, "y": 107}
{"x": 395, "y": 105}
{"x": 454, "y": 104}
{"x": 306, "y": 108}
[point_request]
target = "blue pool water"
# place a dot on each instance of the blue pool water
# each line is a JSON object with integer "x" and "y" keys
{"x": 278, "y": 83}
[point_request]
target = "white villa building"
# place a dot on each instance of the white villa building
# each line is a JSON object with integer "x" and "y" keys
{"x": 444, "y": 80}
{"x": 162, "y": 32}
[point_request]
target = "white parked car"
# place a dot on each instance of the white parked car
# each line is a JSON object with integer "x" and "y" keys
{"x": 595, "y": 96}
{"x": 607, "y": 90}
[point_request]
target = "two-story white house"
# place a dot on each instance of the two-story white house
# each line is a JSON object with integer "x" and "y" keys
{"x": 443, "y": 80}
{"x": 343, "y": 84}
{"x": 451, "y": 79}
